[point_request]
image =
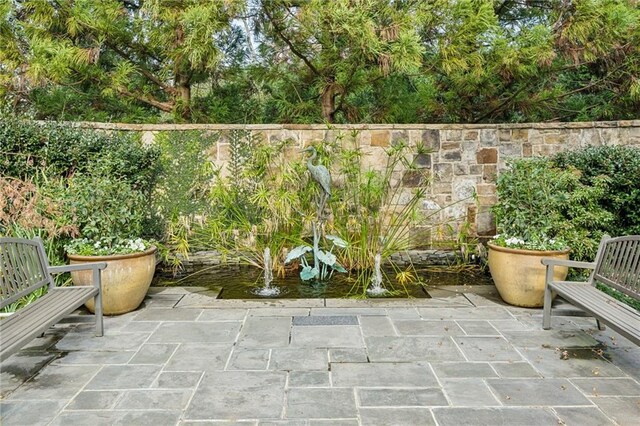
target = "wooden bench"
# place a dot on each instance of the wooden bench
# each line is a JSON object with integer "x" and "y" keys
{"x": 24, "y": 268}
{"x": 617, "y": 265}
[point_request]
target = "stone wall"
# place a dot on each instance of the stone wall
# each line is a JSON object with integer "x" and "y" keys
{"x": 461, "y": 158}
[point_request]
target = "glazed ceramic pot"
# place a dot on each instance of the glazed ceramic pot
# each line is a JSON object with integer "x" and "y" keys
{"x": 125, "y": 280}
{"x": 519, "y": 274}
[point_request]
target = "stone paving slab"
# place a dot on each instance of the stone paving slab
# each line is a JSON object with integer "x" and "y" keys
{"x": 238, "y": 395}
{"x": 498, "y": 416}
{"x": 271, "y": 332}
{"x": 623, "y": 410}
{"x": 198, "y": 357}
{"x": 469, "y": 393}
{"x": 444, "y": 361}
{"x": 537, "y": 392}
{"x": 310, "y": 403}
{"x": 408, "y": 349}
{"x": 383, "y": 374}
{"x": 396, "y": 416}
{"x": 462, "y": 370}
{"x": 288, "y": 359}
{"x": 395, "y": 397}
{"x": 327, "y": 336}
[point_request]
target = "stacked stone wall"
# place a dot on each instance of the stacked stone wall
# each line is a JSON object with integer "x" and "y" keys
{"x": 458, "y": 160}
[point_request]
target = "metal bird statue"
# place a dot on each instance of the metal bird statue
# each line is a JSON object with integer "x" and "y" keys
{"x": 321, "y": 175}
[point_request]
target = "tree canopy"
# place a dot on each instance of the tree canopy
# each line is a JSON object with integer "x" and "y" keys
{"x": 313, "y": 61}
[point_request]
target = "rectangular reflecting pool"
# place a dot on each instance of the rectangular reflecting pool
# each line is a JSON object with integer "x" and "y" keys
{"x": 247, "y": 283}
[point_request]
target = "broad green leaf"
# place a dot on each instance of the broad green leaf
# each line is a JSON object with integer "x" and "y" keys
{"x": 297, "y": 252}
{"x": 308, "y": 273}
{"x": 339, "y": 242}
{"x": 326, "y": 258}
{"x": 338, "y": 267}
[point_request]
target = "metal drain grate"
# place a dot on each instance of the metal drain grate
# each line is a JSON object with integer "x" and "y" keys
{"x": 326, "y": 320}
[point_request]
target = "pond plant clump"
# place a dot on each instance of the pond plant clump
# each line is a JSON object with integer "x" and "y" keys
{"x": 267, "y": 198}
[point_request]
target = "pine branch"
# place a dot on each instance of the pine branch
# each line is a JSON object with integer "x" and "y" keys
{"x": 143, "y": 70}
{"x": 294, "y": 50}
{"x": 163, "y": 106}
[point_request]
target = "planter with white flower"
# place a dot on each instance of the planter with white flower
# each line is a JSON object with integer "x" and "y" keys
{"x": 533, "y": 222}
{"x": 127, "y": 277}
{"x": 517, "y": 270}
{"x": 110, "y": 214}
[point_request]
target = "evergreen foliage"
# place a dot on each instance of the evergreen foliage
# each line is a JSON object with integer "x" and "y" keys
{"x": 343, "y": 61}
{"x": 619, "y": 168}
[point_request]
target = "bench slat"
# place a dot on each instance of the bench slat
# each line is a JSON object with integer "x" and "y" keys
{"x": 51, "y": 299}
{"x": 616, "y": 315}
{"x": 599, "y": 303}
{"x": 23, "y": 269}
{"x": 23, "y": 326}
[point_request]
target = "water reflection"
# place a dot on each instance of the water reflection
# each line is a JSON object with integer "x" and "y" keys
{"x": 243, "y": 283}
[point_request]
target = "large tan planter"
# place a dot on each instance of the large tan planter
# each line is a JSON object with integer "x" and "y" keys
{"x": 125, "y": 280}
{"x": 520, "y": 277}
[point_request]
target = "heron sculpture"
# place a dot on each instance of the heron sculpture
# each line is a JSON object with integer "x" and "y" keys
{"x": 322, "y": 177}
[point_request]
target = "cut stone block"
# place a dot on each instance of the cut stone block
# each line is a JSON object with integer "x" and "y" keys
{"x": 230, "y": 395}
{"x": 383, "y": 375}
{"x": 289, "y": 359}
{"x": 487, "y": 349}
{"x": 265, "y": 332}
{"x": 124, "y": 377}
{"x": 395, "y": 397}
{"x": 406, "y": 349}
{"x": 309, "y": 403}
{"x": 309, "y": 379}
{"x": 396, "y": 416}
{"x": 199, "y": 357}
{"x": 463, "y": 370}
{"x": 327, "y": 336}
{"x": 195, "y": 332}
{"x": 94, "y": 400}
{"x": 457, "y": 416}
{"x": 536, "y": 392}
{"x": 427, "y": 328}
{"x": 468, "y": 393}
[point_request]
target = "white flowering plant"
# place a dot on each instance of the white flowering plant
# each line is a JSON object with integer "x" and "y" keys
{"x": 105, "y": 247}
{"x": 533, "y": 242}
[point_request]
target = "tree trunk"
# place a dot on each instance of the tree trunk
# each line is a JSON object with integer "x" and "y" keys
{"x": 328, "y": 101}
{"x": 183, "y": 80}
{"x": 184, "y": 99}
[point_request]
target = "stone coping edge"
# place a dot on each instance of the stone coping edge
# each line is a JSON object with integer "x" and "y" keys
{"x": 259, "y": 127}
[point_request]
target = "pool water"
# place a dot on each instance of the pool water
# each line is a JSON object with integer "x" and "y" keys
{"x": 244, "y": 283}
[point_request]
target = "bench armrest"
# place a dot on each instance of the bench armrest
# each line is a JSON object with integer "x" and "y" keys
{"x": 79, "y": 267}
{"x": 569, "y": 263}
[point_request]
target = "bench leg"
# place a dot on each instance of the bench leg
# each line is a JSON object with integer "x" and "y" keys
{"x": 546, "y": 310}
{"x": 98, "y": 303}
{"x": 600, "y": 325}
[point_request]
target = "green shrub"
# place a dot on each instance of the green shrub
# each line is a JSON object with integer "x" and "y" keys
{"x": 105, "y": 208}
{"x": 29, "y": 149}
{"x": 619, "y": 166}
{"x": 539, "y": 202}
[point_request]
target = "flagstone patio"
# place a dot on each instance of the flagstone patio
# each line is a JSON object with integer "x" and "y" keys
{"x": 460, "y": 358}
